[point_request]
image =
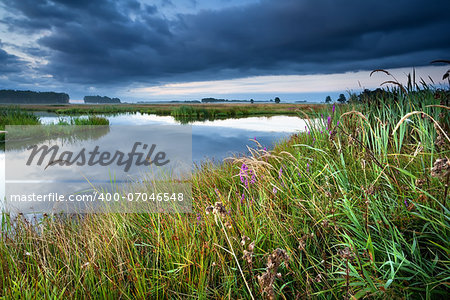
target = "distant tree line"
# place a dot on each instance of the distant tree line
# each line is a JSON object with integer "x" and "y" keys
{"x": 186, "y": 101}
{"x": 214, "y": 100}
{"x": 14, "y": 96}
{"x": 100, "y": 100}
{"x": 341, "y": 99}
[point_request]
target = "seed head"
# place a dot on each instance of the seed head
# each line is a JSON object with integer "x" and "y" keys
{"x": 346, "y": 253}
{"x": 244, "y": 240}
{"x": 251, "y": 246}
{"x": 267, "y": 279}
{"x": 219, "y": 209}
{"x": 209, "y": 210}
{"x": 441, "y": 167}
{"x": 228, "y": 225}
{"x": 420, "y": 182}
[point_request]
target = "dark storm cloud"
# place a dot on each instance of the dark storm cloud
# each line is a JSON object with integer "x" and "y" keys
{"x": 110, "y": 41}
{"x": 167, "y": 3}
{"x": 9, "y": 63}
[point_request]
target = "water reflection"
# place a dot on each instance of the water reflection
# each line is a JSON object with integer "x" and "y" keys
{"x": 110, "y": 160}
{"x": 24, "y": 136}
{"x": 266, "y": 124}
{"x": 212, "y": 140}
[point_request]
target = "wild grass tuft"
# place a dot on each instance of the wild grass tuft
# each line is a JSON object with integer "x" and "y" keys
{"x": 90, "y": 120}
{"x": 15, "y": 116}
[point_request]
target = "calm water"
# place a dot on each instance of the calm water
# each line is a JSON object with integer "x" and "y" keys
{"x": 211, "y": 140}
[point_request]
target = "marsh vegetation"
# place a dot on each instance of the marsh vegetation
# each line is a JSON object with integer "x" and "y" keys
{"x": 356, "y": 206}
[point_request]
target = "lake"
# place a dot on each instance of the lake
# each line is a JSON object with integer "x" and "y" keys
{"x": 211, "y": 140}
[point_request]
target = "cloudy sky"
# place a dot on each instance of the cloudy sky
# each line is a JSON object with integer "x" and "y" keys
{"x": 190, "y": 49}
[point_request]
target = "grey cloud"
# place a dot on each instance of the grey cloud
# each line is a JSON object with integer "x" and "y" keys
{"x": 106, "y": 42}
{"x": 10, "y": 63}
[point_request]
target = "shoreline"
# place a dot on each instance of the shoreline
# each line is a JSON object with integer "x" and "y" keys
{"x": 171, "y": 108}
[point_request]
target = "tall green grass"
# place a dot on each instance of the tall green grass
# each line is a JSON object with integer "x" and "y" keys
{"x": 16, "y": 116}
{"x": 90, "y": 120}
{"x": 347, "y": 209}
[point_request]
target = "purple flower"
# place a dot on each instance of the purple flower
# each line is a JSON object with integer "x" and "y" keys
{"x": 242, "y": 198}
{"x": 280, "y": 172}
{"x": 274, "y": 190}
{"x": 329, "y": 121}
{"x": 337, "y": 124}
{"x": 253, "y": 178}
{"x": 334, "y": 107}
{"x": 265, "y": 149}
{"x": 199, "y": 218}
{"x": 245, "y": 173}
{"x": 406, "y": 204}
{"x": 307, "y": 167}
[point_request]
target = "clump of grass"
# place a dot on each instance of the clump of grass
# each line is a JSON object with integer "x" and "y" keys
{"x": 90, "y": 120}
{"x": 189, "y": 113}
{"x": 347, "y": 209}
{"x": 16, "y": 116}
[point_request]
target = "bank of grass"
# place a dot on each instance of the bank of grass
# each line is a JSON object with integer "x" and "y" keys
{"x": 344, "y": 210}
{"x": 188, "y": 113}
{"x": 14, "y": 115}
{"x": 181, "y": 111}
{"x": 89, "y": 120}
